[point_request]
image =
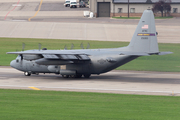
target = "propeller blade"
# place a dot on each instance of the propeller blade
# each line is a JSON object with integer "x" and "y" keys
{"x": 39, "y": 45}
{"x": 82, "y": 47}
{"x": 72, "y": 46}
{"x": 21, "y": 56}
{"x": 88, "y": 46}
{"x": 23, "y": 46}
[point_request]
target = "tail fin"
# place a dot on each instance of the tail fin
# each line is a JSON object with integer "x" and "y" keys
{"x": 144, "y": 38}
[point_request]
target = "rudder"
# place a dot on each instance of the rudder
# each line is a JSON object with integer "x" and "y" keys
{"x": 144, "y": 38}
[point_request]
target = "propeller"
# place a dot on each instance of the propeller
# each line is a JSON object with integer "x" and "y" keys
{"x": 23, "y": 46}
{"x": 72, "y": 46}
{"x": 39, "y": 45}
{"x": 82, "y": 46}
{"x": 21, "y": 56}
{"x": 88, "y": 46}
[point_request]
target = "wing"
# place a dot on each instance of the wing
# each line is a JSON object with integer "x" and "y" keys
{"x": 54, "y": 57}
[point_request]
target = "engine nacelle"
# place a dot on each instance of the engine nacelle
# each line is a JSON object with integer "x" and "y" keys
{"x": 31, "y": 57}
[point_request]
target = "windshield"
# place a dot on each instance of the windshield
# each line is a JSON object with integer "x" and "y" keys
{"x": 67, "y": 1}
{"x": 73, "y": 2}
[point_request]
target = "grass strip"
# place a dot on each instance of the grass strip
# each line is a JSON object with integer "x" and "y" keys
{"x": 166, "y": 63}
{"x": 52, "y": 105}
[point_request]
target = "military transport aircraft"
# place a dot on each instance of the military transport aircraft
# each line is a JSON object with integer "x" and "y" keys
{"x": 75, "y": 63}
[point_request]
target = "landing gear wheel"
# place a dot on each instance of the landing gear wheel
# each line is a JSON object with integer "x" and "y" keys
{"x": 78, "y": 75}
{"x": 27, "y": 74}
{"x": 87, "y": 75}
{"x": 65, "y": 76}
{"x": 73, "y": 76}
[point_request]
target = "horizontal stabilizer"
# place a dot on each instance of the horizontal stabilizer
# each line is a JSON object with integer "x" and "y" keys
{"x": 164, "y": 53}
{"x": 135, "y": 53}
{"x": 144, "y": 54}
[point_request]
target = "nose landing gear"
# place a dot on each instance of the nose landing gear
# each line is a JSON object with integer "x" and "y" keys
{"x": 27, "y": 73}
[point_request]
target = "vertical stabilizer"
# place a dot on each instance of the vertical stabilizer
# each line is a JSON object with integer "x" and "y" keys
{"x": 144, "y": 38}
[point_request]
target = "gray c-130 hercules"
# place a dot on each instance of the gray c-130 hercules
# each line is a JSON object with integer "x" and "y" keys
{"x": 75, "y": 63}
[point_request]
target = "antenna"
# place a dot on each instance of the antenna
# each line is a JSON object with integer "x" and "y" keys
{"x": 65, "y": 47}
{"x": 88, "y": 46}
{"x": 23, "y": 46}
{"x": 82, "y": 47}
{"x": 72, "y": 46}
{"x": 39, "y": 46}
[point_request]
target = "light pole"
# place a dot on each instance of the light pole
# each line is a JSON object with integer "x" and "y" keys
{"x": 128, "y": 8}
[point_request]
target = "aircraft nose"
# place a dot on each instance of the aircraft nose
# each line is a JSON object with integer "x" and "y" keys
{"x": 12, "y": 64}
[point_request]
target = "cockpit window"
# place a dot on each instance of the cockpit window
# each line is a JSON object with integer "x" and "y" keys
{"x": 17, "y": 60}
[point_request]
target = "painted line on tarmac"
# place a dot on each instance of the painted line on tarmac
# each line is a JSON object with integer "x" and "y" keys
{"x": 36, "y": 11}
{"x": 72, "y": 88}
{"x": 19, "y": 20}
{"x": 12, "y": 10}
{"x": 34, "y": 88}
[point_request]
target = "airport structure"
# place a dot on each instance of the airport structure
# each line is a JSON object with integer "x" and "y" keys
{"x": 110, "y": 8}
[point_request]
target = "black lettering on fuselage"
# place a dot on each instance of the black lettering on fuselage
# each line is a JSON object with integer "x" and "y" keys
{"x": 144, "y": 30}
{"x": 144, "y": 38}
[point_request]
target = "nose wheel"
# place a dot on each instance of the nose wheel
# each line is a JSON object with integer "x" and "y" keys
{"x": 27, "y": 74}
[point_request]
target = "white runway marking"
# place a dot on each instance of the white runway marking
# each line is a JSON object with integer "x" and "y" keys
{"x": 19, "y": 20}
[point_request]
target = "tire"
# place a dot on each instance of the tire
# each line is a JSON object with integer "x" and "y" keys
{"x": 73, "y": 76}
{"x": 27, "y": 74}
{"x": 65, "y": 76}
{"x": 87, "y": 75}
{"x": 78, "y": 75}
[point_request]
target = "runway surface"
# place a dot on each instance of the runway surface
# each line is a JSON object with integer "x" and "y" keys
{"x": 125, "y": 82}
{"x": 65, "y": 23}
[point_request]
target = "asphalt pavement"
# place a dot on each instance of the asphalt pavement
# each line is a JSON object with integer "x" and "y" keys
{"x": 121, "y": 82}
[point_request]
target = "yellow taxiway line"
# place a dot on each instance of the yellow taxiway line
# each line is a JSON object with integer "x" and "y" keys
{"x": 36, "y": 11}
{"x": 34, "y": 88}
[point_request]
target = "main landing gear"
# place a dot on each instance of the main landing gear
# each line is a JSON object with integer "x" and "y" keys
{"x": 76, "y": 76}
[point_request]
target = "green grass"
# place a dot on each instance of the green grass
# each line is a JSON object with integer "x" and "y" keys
{"x": 167, "y": 63}
{"x": 163, "y": 17}
{"x": 56, "y": 105}
{"x": 126, "y": 17}
{"x": 140, "y": 17}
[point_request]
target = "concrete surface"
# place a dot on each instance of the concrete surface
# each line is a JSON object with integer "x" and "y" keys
{"x": 125, "y": 82}
{"x": 82, "y": 31}
{"x": 54, "y": 21}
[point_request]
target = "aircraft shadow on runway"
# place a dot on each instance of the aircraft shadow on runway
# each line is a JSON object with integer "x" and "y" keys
{"x": 131, "y": 78}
